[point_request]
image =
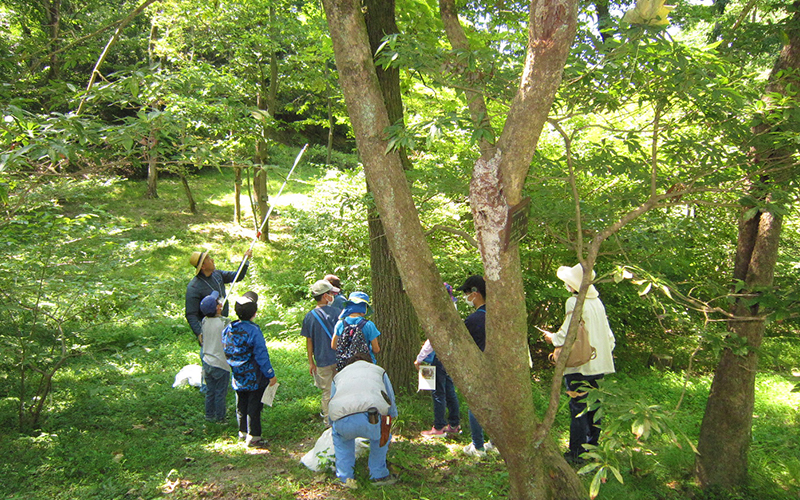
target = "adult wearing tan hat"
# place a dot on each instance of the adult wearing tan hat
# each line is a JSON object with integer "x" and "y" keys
{"x": 208, "y": 279}
{"x": 584, "y": 427}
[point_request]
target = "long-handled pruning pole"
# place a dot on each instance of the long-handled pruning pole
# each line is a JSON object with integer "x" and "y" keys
{"x": 263, "y": 223}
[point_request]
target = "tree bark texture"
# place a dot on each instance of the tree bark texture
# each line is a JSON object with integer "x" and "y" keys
{"x": 395, "y": 316}
{"x": 496, "y": 382}
{"x": 725, "y": 432}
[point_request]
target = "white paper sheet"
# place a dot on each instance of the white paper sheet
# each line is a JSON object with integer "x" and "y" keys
{"x": 269, "y": 394}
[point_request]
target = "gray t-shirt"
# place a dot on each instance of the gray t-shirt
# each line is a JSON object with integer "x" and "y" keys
{"x": 212, "y": 341}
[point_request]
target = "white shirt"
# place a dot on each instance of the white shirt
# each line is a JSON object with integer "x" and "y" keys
{"x": 600, "y": 336}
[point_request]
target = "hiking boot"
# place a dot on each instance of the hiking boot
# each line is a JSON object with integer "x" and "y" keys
{"x": 385, "y": 481}
{"x": 434, "y": 432}
{"x": 350, "y": 484}
{"x": 449, "y": 429}
{"x": 474, "y": 452}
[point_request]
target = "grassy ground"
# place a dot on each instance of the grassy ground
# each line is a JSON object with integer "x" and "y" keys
{"x": 116, "y": 428}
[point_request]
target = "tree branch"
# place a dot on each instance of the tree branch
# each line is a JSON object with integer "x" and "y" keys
{"x": 439, "y": 227}
{"x": 96, "y": 71}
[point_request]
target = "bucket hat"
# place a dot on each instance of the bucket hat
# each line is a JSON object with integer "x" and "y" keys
{"x": 573, "y": 276}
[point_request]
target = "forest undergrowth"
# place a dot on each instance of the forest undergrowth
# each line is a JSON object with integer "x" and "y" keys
{"x": 114, "y": 427}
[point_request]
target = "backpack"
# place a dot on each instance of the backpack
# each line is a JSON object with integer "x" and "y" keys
{"x": 351, "y": 342}
{"x": 582, "y": 351}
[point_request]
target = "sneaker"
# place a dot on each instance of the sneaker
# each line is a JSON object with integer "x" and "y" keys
{"x": 350, "y": 484}
{"x": 449, "y": 429}
{"x": 242, "y": 436}
{"x": 434, "y": 432}
{"x": 256, "y": 442}
{"x": 473, "y": 452}
{"x": 489, "y": 447}
{"x": 385, "y": 481}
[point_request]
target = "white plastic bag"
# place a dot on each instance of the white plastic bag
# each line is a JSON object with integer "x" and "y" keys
{"x": 322, "y": 455}
{"x": 189, "y": 374}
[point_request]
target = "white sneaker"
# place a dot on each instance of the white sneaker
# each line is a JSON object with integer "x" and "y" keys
{"x": 489, "y": 447}
{"x": 473, "y": 452}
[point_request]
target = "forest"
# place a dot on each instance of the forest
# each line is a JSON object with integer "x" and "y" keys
{"x": 400, "y": 144}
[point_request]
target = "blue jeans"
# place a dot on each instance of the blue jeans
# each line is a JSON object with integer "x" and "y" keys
{"x": 476, "y": 430}
{"x": 345, "y": 432}
{"x": 217, "y": 382}
{"x": 444, "y": 397}
{"x": 583, "y": 429}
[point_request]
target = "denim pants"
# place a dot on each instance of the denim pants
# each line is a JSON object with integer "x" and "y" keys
{"x": 583, "y": 429}
{"x": 444, "y": 397}
{"x": 476, "y": 430}
{"x": 217, "y": 382}
{"x": 345, "y": 432}
{"x": 248, "y": 411}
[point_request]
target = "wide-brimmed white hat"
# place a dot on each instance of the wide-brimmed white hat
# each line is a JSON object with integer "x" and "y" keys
{"x": 573, "y": 276}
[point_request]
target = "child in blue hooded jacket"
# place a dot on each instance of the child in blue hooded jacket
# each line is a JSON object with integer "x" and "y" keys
{"x": 246, "y": 352}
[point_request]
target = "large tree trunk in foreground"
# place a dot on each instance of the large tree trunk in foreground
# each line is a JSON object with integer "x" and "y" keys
{"x": 496, "y": 382}
{"x": 725, "y": 433}
{"x": 395, "y": 316}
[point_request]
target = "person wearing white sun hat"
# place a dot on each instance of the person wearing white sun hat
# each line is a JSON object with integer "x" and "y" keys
{"x": 584, "y": 427}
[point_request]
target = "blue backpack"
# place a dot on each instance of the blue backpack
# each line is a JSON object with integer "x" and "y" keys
{"x": 351, "y": 342}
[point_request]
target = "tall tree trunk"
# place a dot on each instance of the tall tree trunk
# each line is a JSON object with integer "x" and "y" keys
{"x": 395, "y": 316}
{"x": 262, "y": 199}
{"x": 260, "y": 175}
{"x": 152, "y": 165}
{"x": 496, "y": 382}
{"x": 331, "y": 122}
{"x": 237, "y": 195}
{"x": 604, "y": 20}
{"x": 53, "y": 19}
{"x": 725, "y": 432}
{"x": 189, "y": 197}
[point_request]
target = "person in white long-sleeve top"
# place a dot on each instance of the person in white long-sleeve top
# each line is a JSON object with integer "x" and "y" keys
{"x": 585, "y": 428}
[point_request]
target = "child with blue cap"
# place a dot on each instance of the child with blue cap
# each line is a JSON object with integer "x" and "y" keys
{"x": 216, "y": 371}
{"x": 356, "y": 308}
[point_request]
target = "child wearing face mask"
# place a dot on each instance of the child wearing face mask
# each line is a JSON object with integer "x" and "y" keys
{"x": 318, "y": 329}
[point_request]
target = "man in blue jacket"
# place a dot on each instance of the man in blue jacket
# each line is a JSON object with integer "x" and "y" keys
{"x": 208, "y": 279}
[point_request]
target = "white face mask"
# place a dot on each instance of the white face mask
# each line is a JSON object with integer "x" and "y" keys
{"x": 468, "y": 301}
{"x": 330, "y": 302}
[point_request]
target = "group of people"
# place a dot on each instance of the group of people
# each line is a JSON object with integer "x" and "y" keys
{"x": 357, "y": 396}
